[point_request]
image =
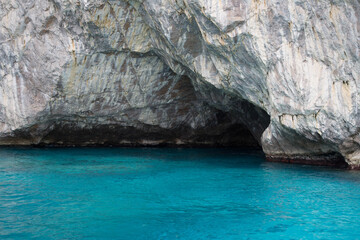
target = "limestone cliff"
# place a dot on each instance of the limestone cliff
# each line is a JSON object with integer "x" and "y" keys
{"x": 284, "y": 74}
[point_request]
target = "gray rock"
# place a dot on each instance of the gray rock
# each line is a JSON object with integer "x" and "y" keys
{"x": 284, "y": 74}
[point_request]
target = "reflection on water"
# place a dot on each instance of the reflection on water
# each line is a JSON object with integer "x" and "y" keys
{"x": 163, "y": 193}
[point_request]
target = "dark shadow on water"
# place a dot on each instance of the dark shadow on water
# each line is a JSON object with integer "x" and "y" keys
{"x": 211, "y": 157}
{"x": 230, "y": 157}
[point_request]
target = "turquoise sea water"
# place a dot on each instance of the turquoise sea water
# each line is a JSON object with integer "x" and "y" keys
{"x": 163, "y": 193}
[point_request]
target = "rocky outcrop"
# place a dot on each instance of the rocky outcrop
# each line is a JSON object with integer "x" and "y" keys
{"x": 282, "y": 74}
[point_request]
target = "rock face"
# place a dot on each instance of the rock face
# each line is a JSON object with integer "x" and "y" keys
{"x": 282, "y": 74}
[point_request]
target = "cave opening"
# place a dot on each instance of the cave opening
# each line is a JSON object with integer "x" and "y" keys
{"x": 241, "y": 129}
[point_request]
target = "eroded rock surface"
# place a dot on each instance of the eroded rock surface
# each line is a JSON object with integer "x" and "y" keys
{"x": 284, "y": 74}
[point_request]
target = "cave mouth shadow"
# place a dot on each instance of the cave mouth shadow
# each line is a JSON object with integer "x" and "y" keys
{"x": 223, "y": 134}
{"x": 240, "y": 128}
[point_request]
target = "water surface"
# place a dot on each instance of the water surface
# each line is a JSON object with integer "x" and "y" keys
{"x": 124, "y": 193}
